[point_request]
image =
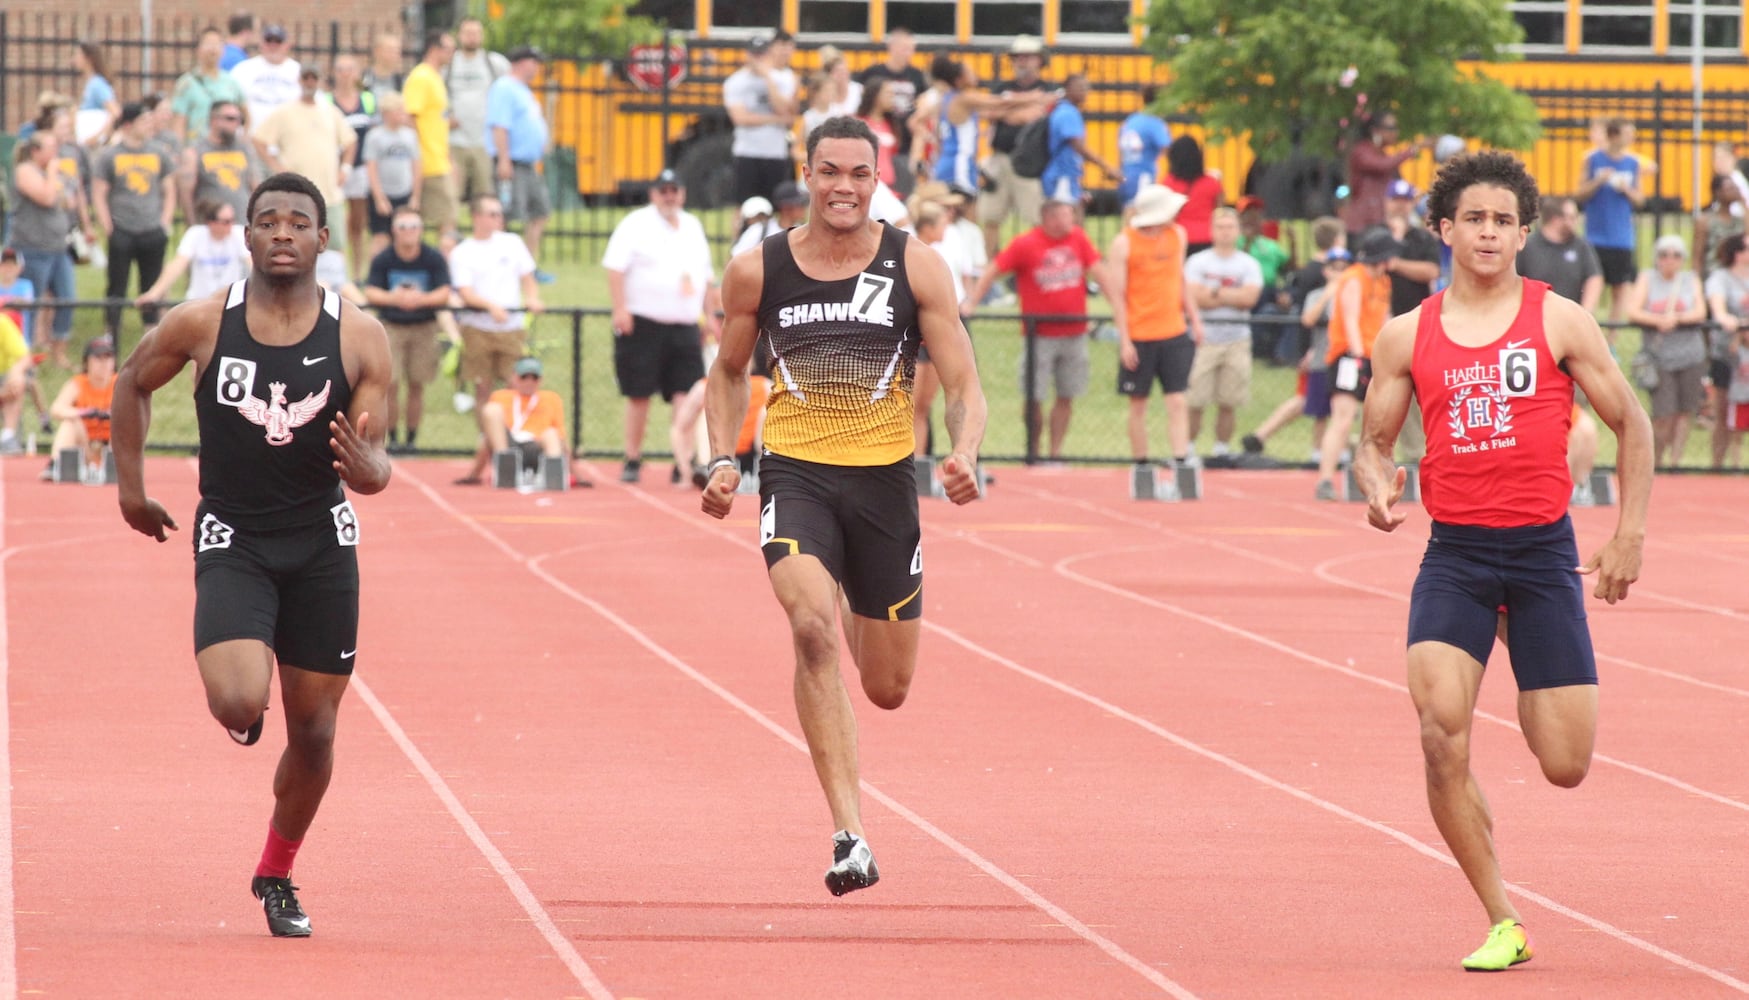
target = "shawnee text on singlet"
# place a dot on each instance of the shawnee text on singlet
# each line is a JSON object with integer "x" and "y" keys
{"x": 843, "y": 355}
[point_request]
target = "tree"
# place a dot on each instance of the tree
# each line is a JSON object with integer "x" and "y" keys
{"x": 1291, "y": 75}
{"x": 570, "y": 29}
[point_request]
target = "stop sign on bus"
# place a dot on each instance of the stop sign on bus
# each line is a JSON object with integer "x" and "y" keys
{"x": 644, "y": 66}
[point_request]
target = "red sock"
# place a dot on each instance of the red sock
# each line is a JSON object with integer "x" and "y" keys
{"x": 277, "y": 856}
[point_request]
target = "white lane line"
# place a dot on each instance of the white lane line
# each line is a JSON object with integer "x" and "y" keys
{"x": 1421, "y": 847}
{"x": 972, "y": 857}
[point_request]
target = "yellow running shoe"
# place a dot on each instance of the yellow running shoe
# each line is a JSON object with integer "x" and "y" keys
{"x": 1507, "y": 945}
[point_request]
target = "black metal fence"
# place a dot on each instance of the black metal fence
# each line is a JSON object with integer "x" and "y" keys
{"x": 617, "y": 123}
{"x": 576, "y": 346}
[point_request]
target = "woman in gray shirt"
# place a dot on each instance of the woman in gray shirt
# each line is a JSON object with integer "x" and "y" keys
{"x": 1666, "y": 302}
{"x": 40, "y": 222}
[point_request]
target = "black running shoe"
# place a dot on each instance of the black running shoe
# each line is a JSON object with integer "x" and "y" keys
{"x": 285, "y": 918}
{"x": 629, "y": 474}
{"x": 853, "y": 864}
{"x": 249, "y": 737}
{"x": 1253, "y": 444}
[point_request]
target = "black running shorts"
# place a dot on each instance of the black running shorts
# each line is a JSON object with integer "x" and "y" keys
{"x": 295, "y": 589}
{"x": 1165, "y": 361}
{"x": 859, "y": 521}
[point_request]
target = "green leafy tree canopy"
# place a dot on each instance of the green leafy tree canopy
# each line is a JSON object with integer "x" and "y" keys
{"x": 570, "y": 29}
{"x": 1279, "y": 71}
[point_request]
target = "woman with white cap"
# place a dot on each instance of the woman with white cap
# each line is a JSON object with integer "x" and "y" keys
{"x": 1158, "y": 341}
{"x": 1666, "y": 301}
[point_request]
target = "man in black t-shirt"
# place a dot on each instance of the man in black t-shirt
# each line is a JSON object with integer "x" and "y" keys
{"x": 1005, "y": 192}
{"x": 1416, "y": 266}
{"x": 409, "y": 283}
{"x": 907, "y": 82}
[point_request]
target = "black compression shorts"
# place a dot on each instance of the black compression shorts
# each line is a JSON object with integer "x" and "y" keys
{"x": 859, "y": 521}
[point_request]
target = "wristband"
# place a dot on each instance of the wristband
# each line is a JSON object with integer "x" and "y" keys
{"x": 721, "y": 460}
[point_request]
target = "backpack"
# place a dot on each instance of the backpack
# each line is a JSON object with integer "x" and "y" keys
{"x": 1032, "y": 148}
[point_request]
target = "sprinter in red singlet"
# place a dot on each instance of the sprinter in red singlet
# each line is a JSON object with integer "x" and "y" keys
{"x": 1493, "y": 360}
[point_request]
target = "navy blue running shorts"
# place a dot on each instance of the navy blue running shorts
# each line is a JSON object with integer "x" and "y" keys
{"x": 1469, "y": 573}
{"x": 859, "y": 521}
{"x": 294, "y": 588}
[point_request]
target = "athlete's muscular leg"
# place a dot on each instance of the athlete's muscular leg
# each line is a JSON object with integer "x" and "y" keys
{"x": 885, "y": 654}
{"x": 809, "y": 597}
{"x": 1560, "y": 726}
{"x": 312, "y": 705}
{"x": 238, "y": 675}
{"x": 1443, "y": 681}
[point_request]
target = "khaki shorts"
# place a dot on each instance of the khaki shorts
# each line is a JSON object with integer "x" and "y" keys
{"x": 1063, "y": 367}
{"x": 1221, "y": 374}
{"x": 490, "y": 355}
{"x": 1012, "y": 194}
{"x": 437, "y": 202}
{"x": 473, "y": 173}
{"x": 414, "y": 349}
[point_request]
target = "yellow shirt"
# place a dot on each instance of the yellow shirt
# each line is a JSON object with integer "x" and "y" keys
{"x": 13, "y": 349}
{"x": 427, "y": 100}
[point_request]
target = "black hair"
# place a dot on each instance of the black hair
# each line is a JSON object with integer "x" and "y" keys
{"x": 223, "y": 102}
{"x": 433, "y": 40}
{"x": 871, "y": 92}
{"x": 94, "y": 56}
{"x": 1461, "y": 173}
{"x": 1730, "y": 247}
{"x": 842, "y": 127}
{"x": 240, "y": 21}
{"x": 946, "y": 68}
{"x": 1719, "y": 182}
{"x": 1184, "y": 159}
{"x": 1150, "y": 94}
{"x": 290, "y": 183}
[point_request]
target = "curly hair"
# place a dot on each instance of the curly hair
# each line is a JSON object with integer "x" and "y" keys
{"x": 1461, "y": 173}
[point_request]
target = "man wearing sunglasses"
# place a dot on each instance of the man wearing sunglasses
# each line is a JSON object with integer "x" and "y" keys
{"x": 408, "y": 284}
{"x": 220, "y": 166}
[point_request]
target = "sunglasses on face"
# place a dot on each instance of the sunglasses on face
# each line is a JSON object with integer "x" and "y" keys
{"x": 408, "y": 227}
{"x": 224, "y": 220}
{"x": 1670, "y": 253}
{"x": 535, "y": 377}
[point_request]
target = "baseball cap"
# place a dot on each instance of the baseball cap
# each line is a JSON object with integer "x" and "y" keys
{"x": 755, "y": 206}
{"x": 100, "y": 346}
{"x": 1248, "y": 202}
{"x": 760, "y": 42}
{"x": 522, "y": 52}
{"x": 1338, "y": 255}
{"x": 789, "y": 193}
{"x": 1156, "y": 205}
{"x": 8, "y": 256}
{"x": 939, "y": 191}
{"x": 528, "y": 366}
{"x": 667, "y": 178}
{"x": 130, "y": 111}
{"x": 1670, "y": 243}
{"x": 1378, "y": 246}
{"x": 273, "y": 33}
{"x": 1026, "y": 45}
{"x": 1400, "y": 188}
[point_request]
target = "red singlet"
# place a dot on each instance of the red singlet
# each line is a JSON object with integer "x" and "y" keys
{"x": 1496, "y": 419}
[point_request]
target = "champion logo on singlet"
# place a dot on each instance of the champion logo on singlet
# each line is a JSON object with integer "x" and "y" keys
{"x": 869, "y": 303}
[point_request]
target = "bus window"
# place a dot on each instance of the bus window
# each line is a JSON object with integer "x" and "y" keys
{"x": 1003, "y": 19}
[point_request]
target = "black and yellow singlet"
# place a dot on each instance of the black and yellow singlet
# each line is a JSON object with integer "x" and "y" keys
{"x": 843, "y": 356}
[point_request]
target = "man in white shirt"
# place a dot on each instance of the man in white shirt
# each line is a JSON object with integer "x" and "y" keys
{"x": 494, "y": 275}
{"x": 269, "y": 79}
{"x": 660, "y": 277}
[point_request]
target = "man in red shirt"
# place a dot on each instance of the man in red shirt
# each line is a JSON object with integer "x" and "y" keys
{"x": 1051, "y": 263}
{"x": 1493, "y": 360}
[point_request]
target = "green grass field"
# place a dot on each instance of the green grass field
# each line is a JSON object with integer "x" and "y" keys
{"x": 564, "y": 342}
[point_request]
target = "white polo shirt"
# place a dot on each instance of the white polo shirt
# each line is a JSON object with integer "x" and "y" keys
{"x": 667, "y": 267}
{"x": 493, "y": 268}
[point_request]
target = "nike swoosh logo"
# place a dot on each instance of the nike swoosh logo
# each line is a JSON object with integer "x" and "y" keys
{"x": 349, "y": 654}
{"x": 310, "y": 361}
{"x": 1509, "y": 346}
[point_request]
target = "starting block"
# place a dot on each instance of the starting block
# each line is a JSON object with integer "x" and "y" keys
{"x": 929, "y": 486}
{"x": 70, "y": 467}
{"x": 1411, "y": 486}
{"x": 1166, "y": 483}
{"x": 1599, "y": 491}
{"x": 508, "y": 472}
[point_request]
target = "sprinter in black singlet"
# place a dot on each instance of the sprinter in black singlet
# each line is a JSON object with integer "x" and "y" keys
{"x": 286, "y": 375}
{"x": 843, "y": 303}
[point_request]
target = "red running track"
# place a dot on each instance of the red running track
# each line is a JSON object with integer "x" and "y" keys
{"x": 1153, "y": 750}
